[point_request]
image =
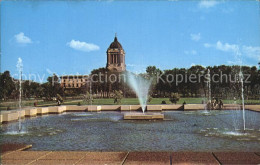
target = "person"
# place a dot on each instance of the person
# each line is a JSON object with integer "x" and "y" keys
{"x": 220, "y": 104}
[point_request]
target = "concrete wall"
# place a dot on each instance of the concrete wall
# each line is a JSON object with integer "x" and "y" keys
{"x": 141, "y": 116}
{"x": 110, "y": 107}
{"x": 75, "y": 108}
{"x": 6, "y": 116}
{"x": 94, "y": 108}
{"x": 62, "y": 109}
{"x": 22, "y": 113}
{"x": 154, "y": 108}
{"x": 135, "y": 108}
{"x": 188, "y": 107}
{"x": 30, "y": 112}
{"x": 232, "y": 107}
{"x": 125, "y": 107}
{"x": 53, "y": 110}
{"x": 172, "y": 107}
{"x": 9, "y": 116}
{"x": 42, "y": 111}
{"x": 253, "y": 107}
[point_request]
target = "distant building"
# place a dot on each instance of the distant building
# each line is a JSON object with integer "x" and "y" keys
{"x": 73, "y": 81}
{"x": 115, "y": 63}
{"x": 116, "y": 57}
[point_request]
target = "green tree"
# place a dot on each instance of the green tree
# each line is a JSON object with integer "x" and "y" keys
{"x": 88, "y": 99}
{"x": 174, "y": 97}
{"x": 149, "y": 99}
{"x": 52, "y": 87}
{"x": 7, "y": 85}
{"x": 118, "y": 97}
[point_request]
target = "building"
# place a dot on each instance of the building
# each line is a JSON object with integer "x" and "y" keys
{"x": 115, "y": 63}
{"x": 74, "y": 81}
{"x": 116, "y": 57}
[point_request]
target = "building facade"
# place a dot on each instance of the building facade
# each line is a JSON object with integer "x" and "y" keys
{"x": 73, "y": 81}
{"x": 115, "y": 63}
{"x": 116, "y": 57}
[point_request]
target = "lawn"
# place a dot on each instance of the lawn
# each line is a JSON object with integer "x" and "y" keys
{"x": 107, "y": 101}
{"x": 134, "y": 101}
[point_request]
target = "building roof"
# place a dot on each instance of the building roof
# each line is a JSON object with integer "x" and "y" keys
{"x": 115, "y": 44}
{"x": 74, "y": 76}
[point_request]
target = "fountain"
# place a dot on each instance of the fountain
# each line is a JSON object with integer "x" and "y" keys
{"x": 16, "y": 128}
{"x": 242, "y": 98}
{"x": 20, "y": 70}
{"x": 243, "y": 134}
{"x": 212, "y": 104}
{"x": 207, "y": 102}
{"x": 141, "y": 87}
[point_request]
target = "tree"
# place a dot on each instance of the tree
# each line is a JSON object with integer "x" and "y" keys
{"x": 7, "y": 85}
{"x": 149, "y": 99}
{"x": 88, "y": 99}
{"x": 174, "y": 97}
{"x": 59, "y": 99}
{"x": 52, "y": 87}
{"x": 152, "y": 72}
{"x": 118, "y": 97}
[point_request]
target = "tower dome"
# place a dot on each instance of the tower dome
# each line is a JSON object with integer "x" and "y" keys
{"x": 116, "y": 57}
{"x": 115, "y": 44}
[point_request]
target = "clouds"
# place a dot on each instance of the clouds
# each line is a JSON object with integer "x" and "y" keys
{"x": 207, "y": 4}
{"x": 223, "y": 47}
{"x": 23, "y": 40}
{"x": 82, "y": 46}
{"x": 20, "y": 38}
{"x": 252, "y": 52}
{"x": 195, "y": 37}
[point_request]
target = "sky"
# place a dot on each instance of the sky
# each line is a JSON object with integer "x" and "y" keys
{"x": 71, "y": 37}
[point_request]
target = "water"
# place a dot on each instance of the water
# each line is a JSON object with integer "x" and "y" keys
{"x": 207, "y": 101}
{"x": 242, "y": 97}
{"x": 209, "y": 86}
{"x": 20, "y": 70}
{"x": 140, "y": 86}
{"x": 238, "y": 56}
{"x": 107, "y": 131}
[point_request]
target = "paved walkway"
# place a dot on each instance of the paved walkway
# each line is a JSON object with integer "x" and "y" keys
{"x": 127, "y": 158}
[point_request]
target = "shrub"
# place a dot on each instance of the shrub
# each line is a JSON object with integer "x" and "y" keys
{"x": 163, "y": 102}
{"x": 174, "y": 97}
{"x": 88, "y": 98}
{"x": 149, "y": 99}
{"x": 117, "y": 97}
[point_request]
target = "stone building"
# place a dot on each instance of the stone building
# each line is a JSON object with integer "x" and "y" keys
{"x": 116, "y": 57}
{"x": 73, "y": 81}
{"x": 115, "y": 63}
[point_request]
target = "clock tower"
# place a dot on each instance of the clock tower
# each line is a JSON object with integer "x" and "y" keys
{"x": 116, "y": 57}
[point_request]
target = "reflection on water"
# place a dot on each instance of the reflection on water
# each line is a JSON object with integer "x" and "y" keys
{"x": 107, "y": 131}
{"x": 246, "y": 135}
{"x": 206, "y": 113}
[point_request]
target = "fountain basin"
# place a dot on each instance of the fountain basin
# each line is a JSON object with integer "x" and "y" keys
{"x": 154, "y": 108}
{"x": 143, "y": 116}
{"x": 179, "y": 131}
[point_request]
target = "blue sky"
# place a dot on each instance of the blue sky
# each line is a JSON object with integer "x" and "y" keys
{"x": 70, "y": 37}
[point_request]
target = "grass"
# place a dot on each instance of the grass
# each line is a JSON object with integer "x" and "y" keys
{"x": 107, "y": 101}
